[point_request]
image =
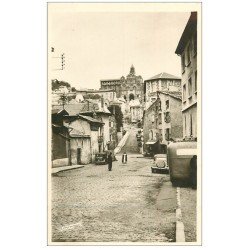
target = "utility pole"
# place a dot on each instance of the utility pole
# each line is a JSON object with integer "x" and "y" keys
{"x": 63, "y": 61}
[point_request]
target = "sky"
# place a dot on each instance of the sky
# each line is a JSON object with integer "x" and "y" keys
{"x": 104, "y": 45}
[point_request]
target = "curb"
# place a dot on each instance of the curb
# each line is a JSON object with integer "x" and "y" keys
{"x": 60, "y": 169}
{"x": 180, "y": 233}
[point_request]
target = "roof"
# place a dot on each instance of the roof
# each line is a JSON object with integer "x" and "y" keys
{"x": 90, "y": 119}
{"x": 191, "y": 27}
{"x": 174, "y": 94}
{"x": 164, "y": 75}
{"x": 56, "y": 111}
{"x": 72, "y": 109}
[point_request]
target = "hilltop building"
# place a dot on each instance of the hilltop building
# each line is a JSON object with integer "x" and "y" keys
{"x": 129, "y": 88}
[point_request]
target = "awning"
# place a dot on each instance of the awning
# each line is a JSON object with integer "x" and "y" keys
{"x": 150, "y": 142}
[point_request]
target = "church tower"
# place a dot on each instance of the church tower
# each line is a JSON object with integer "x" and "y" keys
{"x": 132, "y": 70}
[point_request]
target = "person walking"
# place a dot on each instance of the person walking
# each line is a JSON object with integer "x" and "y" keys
{"x": 110, "y": 161}
{"x": 124, "y": 158}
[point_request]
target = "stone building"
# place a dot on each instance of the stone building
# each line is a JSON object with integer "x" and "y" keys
{"x": 136, "y": 111}
{"x": 129, "y": 87}
{"x": 187, "y": 49}
{"x": 160, "y": 82}
{"x": 162, "y": 122}
{"x": 84, "y": 133}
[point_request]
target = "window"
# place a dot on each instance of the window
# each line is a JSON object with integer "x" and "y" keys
{"x": 188, "y": 55}
{"x": 183, "y": 62}
{"x": 184, "y": 93}
{"x": 167, "y": 135}
{"x": 152, "y": 135}
{"x": 160, "y": 133}
{"x": 195, "y": 82}
{"x": 191, "y": 125}
{"x": 160, "y": 118}
{"x": 153, "y": 118}
{"x": 190, "y": 87}
{"x": 167, "y": 117}
{"x": 159, "y": 105}
{"x": 167, "y": 104}
{"x": 185, "y": 125}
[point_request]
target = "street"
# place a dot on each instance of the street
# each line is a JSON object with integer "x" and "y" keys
{"x": 91, "y": 204}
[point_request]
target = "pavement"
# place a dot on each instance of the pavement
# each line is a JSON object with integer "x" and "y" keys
{"x": 128, "y": 204}
{"x": 55, "y": 170}
{"x": 151, "y": 197}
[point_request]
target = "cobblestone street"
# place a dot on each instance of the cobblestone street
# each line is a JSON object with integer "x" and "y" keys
{"x": 91, "y": 204}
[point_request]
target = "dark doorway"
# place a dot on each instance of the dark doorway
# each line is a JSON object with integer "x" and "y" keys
{"x": 79, "y": 156}
{"x": 131, "y": 97}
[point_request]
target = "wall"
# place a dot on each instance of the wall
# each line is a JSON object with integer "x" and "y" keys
{"x": 149, "y": 123}
{"x": 189, "y": 71}
{"x": 176, "y": 118}
{"x": 113, "y": 131}
{"x": 59, "y": 147}
{"x": 80, "y": 125}
{"x": 136, "y": 113}
{"x": 94, "y": 144}
{"x": 187, "y": 114}
{"x": 106, "y": 137}
{"x": 84, "y": 145}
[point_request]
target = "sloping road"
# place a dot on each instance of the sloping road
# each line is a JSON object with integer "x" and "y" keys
{"x": 131, "y": 145}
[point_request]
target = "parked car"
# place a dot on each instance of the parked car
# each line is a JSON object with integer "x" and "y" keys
{"x": 160, "y": 164}
{"x": 101, "y": 158}
{"x": 179, "y": 156}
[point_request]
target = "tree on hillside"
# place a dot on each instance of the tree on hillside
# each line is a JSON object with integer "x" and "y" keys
{"x": 116, "y": 110}
{"x": 56, "y": 84}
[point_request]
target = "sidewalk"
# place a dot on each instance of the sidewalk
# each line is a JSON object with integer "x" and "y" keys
{"x": 59, "y": 169}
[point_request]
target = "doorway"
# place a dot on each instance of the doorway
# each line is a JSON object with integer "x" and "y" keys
{"x": 79, "y": 156}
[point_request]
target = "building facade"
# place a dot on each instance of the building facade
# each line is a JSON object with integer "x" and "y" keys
{"x": 136, "y": 111}
{"x": 84, "y": 133}
{"x": 187, "y": 50}
{"x": 160, "y": 82}
{"x": 162, "y": 121}
{"x": 129, "y": 87}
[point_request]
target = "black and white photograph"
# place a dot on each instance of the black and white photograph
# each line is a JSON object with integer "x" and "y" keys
{"x": 124, "y": 123}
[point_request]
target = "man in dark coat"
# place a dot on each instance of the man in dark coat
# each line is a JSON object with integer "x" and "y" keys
{"x": 193, "y": 172}
{"x": 110, "y": 161}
